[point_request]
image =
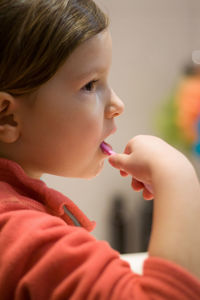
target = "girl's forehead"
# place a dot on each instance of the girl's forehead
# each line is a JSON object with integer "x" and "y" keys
{"x": 93, "y": 56}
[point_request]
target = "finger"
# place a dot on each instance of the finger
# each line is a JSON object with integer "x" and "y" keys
{"x": 128, "y": 150}
{"x": 137, "y": 185}
{"x": 123, "y": 173}
{"x": 149, "y": 188}
{"x": 119, "y": 161}
{"x": 147, "y": 195}
{"x": 129, "y": 147}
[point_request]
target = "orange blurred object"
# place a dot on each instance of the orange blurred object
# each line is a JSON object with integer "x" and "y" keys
{"x": 188, "y": 107}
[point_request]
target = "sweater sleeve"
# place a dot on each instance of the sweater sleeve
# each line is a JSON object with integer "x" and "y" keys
{"x": 43, "y": 258}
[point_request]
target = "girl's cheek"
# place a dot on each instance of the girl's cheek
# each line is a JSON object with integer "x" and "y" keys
{"x": 98, "y": 104}
{"x": 95, "y": 103}
{"x": 93, "y": 118}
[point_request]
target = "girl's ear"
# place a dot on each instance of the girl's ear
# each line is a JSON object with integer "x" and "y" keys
{"x": 9, "y": 125}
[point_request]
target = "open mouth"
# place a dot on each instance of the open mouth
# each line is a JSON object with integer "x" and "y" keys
{"x": 106, "y": 148}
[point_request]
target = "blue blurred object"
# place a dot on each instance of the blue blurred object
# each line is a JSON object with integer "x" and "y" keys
{"x": 196, "y": 147}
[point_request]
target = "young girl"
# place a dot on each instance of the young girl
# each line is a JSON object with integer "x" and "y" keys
{"x": 56, "y": 110}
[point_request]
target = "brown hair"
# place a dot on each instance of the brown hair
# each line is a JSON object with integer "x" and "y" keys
{"x": 37, "y": 36}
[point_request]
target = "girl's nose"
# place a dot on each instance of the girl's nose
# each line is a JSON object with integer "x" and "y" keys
{"x": 115, "y": 106}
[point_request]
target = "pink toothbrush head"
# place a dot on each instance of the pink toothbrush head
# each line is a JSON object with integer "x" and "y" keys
{"x": 107, "y": 149}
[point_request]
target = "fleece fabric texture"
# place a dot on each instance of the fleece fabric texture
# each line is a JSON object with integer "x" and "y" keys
{"x": 47, "y": 252}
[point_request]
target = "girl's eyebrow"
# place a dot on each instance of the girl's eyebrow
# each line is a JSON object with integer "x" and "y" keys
{"x": 90, "y": 73}
{"x": 85, "y": 74}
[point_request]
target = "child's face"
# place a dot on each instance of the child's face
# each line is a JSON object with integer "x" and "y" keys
{"x": 72, "y": 115}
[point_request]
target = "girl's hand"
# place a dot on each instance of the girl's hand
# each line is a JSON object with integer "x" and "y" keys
{"x": 143, "y": 156}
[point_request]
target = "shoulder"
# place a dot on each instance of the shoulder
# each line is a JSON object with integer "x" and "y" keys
{"x": 11, "y": 200}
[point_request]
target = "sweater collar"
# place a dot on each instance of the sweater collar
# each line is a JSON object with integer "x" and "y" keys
{"x": 55, "y": 202}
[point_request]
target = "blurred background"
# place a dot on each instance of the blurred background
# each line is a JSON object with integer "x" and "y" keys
{"x": 155, "y": 71}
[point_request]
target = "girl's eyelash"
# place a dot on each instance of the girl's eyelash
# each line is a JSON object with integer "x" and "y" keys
{"x": 90, "y": 86}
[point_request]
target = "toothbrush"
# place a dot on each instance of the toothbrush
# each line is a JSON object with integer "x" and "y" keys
{"x": 107, "y": 149}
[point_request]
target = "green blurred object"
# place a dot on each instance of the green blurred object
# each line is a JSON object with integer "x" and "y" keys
{"x": 166, "y": 127}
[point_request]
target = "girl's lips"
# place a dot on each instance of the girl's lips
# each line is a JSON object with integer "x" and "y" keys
{"x": 106, "y": 148}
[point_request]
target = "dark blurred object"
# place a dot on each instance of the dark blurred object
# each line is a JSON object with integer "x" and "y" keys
{"x": 118, "y": 224}
{"x": 146, "y": 225}
{"x": 191, "y": 70}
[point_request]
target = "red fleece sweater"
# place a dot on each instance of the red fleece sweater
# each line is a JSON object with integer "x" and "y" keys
{"x": 46, "y": 252}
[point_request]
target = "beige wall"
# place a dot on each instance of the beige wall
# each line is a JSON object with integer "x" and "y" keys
{"x": 152, "y": 40}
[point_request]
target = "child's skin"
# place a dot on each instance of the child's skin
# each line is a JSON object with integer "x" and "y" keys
{"x": 176, "y": 217}
{"x": 59, "y": 128}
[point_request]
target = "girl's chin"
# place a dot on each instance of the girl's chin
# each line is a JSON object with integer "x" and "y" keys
{"x": 95, "y": 171}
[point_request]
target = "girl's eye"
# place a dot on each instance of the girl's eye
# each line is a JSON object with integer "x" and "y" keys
{"x": 90, "y": 86}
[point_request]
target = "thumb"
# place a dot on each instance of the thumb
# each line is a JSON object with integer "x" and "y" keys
{"x": 119, "y": 161}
